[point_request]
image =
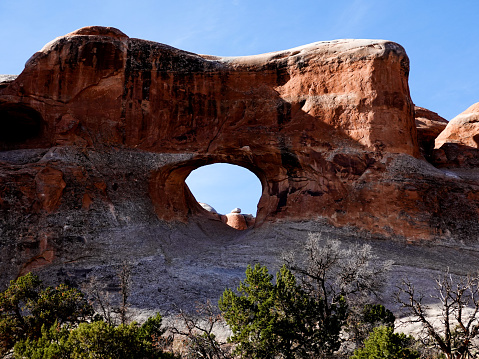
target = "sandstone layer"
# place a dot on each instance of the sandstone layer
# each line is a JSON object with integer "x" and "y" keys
{"x": 100, "y": 131}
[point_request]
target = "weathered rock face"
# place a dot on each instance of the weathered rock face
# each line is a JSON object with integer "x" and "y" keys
{"x": 457, "y": 146}
{"x": 462, "y": 129}
{"x": 429, "y": 125}
{"x": 100, "y": 131}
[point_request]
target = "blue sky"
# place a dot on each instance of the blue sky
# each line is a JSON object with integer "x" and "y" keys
{"x": 440, "y": 37}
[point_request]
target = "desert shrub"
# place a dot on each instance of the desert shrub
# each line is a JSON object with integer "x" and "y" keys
{"x": 97, "y": 340}
{"x": 360, "y": 323}
{"x": 383, "y": 343}
{"x": 50, "y": 345}
{"x": 25, "y": 306}
{"x": 271, "y": 320}
{"x": 377, "y": 313}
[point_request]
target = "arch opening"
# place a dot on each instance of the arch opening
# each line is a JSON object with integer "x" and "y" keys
{"x": 230, "y": 191}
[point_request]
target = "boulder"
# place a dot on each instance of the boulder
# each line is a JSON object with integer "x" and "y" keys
{"x": 239, "y": 221}
{"x": 236, "y": 221}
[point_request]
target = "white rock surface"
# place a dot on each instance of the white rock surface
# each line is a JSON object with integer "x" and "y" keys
{"x": 208, "y": 207}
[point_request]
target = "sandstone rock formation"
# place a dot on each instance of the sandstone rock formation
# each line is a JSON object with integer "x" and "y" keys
{"x": 457, "y": 146}
{"x": 236, "y": 221}
{"x": 429, "y": 125}
{"x": 208, "y": 207}
{"x": 100, "y": 131}
{"x": 462, "y": 129}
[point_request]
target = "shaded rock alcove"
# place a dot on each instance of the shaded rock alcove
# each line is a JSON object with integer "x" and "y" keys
{"x": 20, "y": 126}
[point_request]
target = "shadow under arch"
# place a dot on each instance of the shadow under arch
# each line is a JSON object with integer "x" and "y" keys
{"x": 173, "y": 200}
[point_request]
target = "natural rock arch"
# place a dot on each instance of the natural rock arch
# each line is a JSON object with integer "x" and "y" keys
{"x": 230, "y": 191}
{"x": 328, "y": 128}
{"x": 172, "y": 198}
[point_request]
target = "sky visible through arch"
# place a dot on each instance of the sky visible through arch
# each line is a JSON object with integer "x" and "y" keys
{"x": 441, "y": 37}
{"x": 225, "y": 187}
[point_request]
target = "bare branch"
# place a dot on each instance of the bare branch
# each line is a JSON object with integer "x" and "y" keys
{"x": 198, "y": 333}
{"x": 460, "y": 308}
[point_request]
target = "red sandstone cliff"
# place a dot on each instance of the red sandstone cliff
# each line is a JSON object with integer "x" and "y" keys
{"x": 101, "y": 131}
